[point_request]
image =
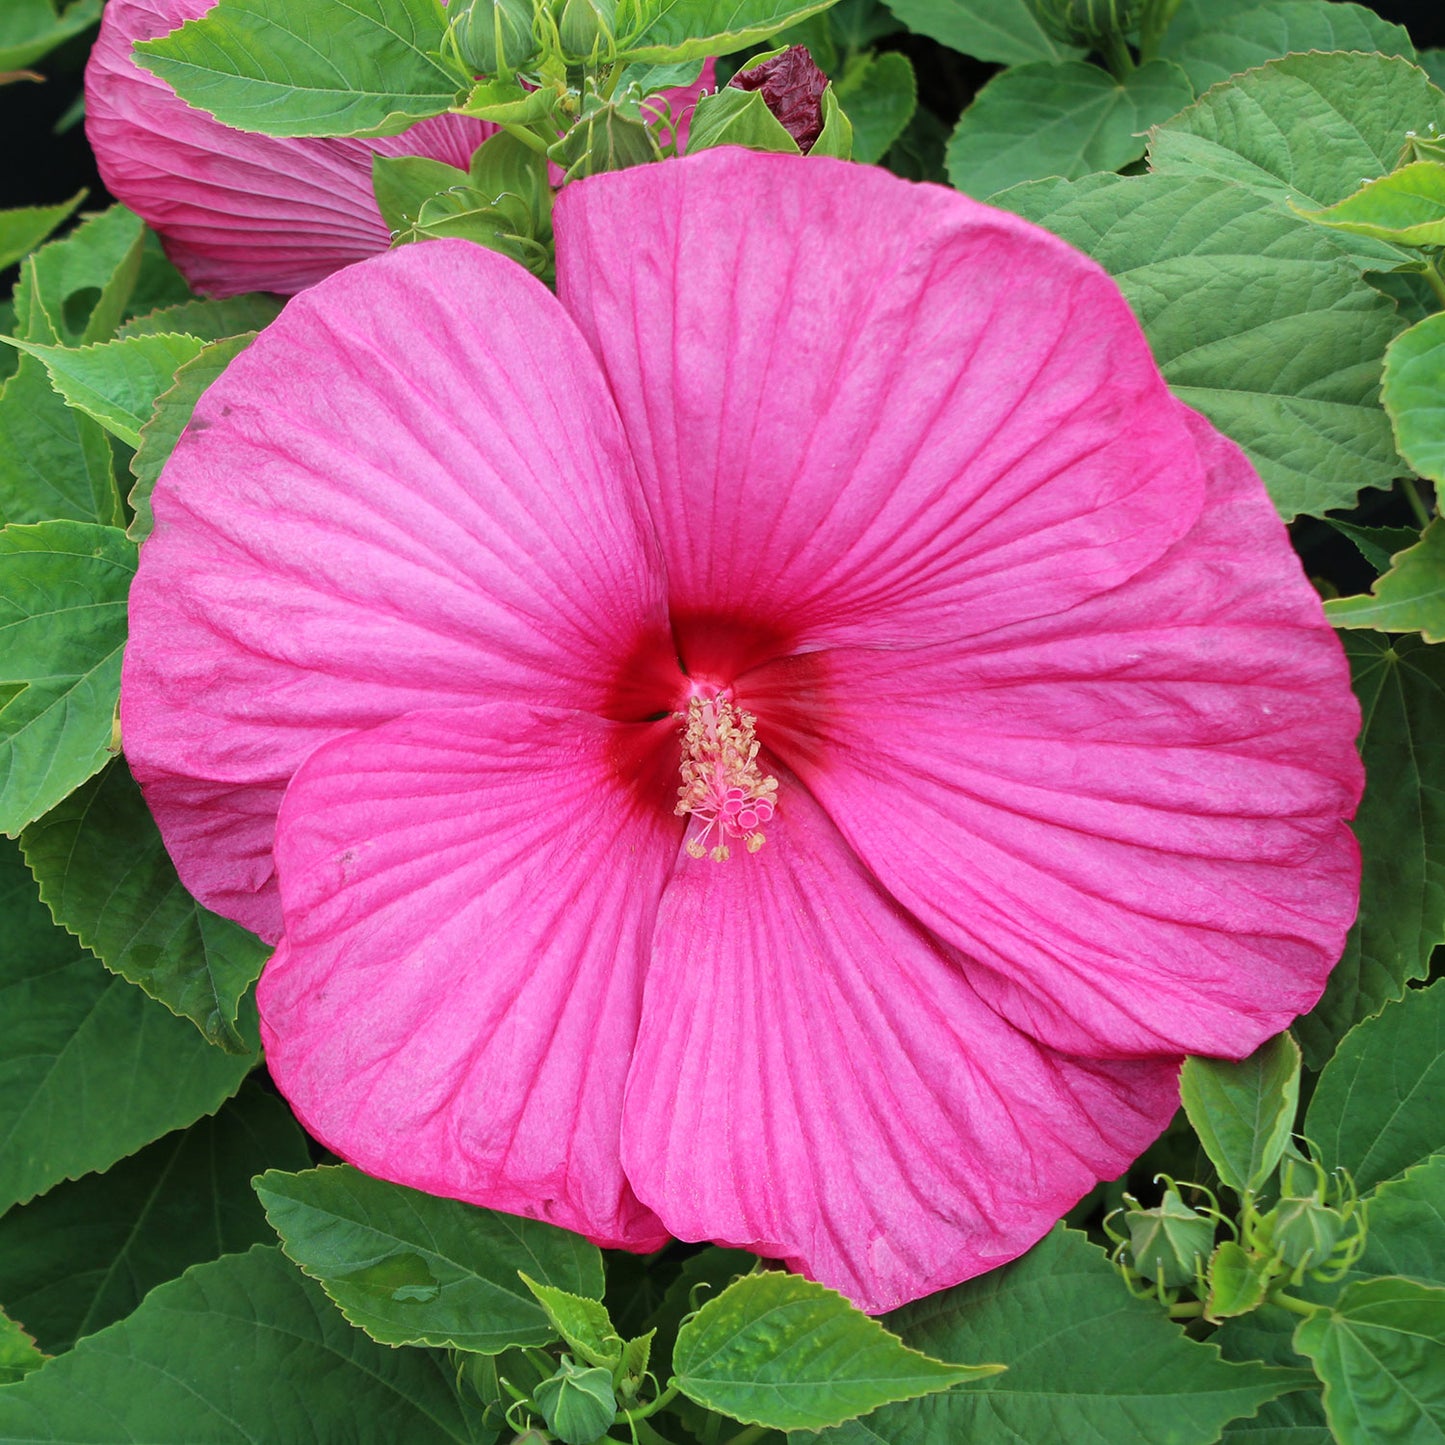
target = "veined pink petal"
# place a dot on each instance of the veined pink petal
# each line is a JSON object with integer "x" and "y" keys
{"x": 382, "y": 505}
{"x": 816, "y": 1080}
{"x": 469, "y": 896}
{"x": 238, "y": 212}
{"x": 1131, "y": 815}
{"x": 876, "y": 411}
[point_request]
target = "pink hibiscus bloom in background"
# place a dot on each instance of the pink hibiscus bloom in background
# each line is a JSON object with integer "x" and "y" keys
{"x": 241, "y": 212}
{"x": 456, "y": 586}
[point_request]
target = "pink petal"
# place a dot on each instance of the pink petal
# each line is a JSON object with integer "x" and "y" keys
{"x": 382, "y": 505}
{"x": 875, "y": 410}
{"x": 469, "y": 896}
{"x": 1131, "y": 815}
{"x": 238, "y": 212}
{"x": 816, "y": 1080}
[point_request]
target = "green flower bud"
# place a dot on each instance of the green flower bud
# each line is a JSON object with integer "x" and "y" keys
{"x": 577, "y": 1402}
{"x": 586, "y": 27}
{"x": 1167, "y": 1244}
{"x": 1304, "y": 1231}
{"x": 1087, "y": 22}
{"x": 494, "y": 35}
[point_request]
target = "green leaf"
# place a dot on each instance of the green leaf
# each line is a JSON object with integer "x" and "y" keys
{"x": 1086, "y": 1361}
{"x": 1406, "y": 207}
{"x": 584, "y": 1324}
{"x": 733, "y": 117}
{"x": 55, "y": 463}
{"x": 1243, "y": 1112}
{"x": 75, "y": 290}
{"x": 30, "y": 29}
{"x": 87, "y": 1253}
{"x": 90, "y": 1068}
{"x": 1263, "y": 130}
{"x": 209, "y": 320}
{"x": 1295, "y": 1419}
{"x": 63, "y": 589}
{"x": 1254, "y": 316}
{"x": 1243, "y": 41}
{"x": 1401, "y": 827}
{"x": 1407, "y": 1225}
{"x": 255, "y": 65}
{"x": 409, "y": 1268}
{"x": 241, "y": 1350}
{"x": 1377, "y": 544}
{"x": 1381, "y": 1353}
{"x": 1237, "y": 1282}
{"x": 22, "y": 230}
{"x": 674, "y": 30}
{"x": 1410, "y": 597}
{"x": 116, "y": 382}
{"x": 402, "y": 183}
{"x": 1376, "y": 1110}
{"x": 105, "y": 875}
{"x": 1414, "y": 395}
{"x": 1007, "y": 31}
{"x": 1432, "y": 62}
{"x": 173, "y": 408}
{"x": 879, "y": 93}
{"x": 778, "y": 1350}
{"x": 18, "y": 1352}
{"x": 1059, "y": 120}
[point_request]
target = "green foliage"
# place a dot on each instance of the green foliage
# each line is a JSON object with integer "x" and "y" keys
{"x": 738, "y": 117}
{"x": 1414, "y": 395}
{"x": 90, "y": 1069}
{"x": 1233, "y": 42}
{"x": 18, "y": 1352}
{"x": 173, "y": 408}
{"x": 75, "y": 291}
{"x": 30, "y": 29}
{"x": 1007, "y": 31}
{"x": 1407, "y": 1225}
{"x": 1254, "y": 316}
{"x": 240, "y": 1350}
{"x": 775, "y": 1349}
{"x": 1400, "y": 683}
{"x": 1381, "y": 1353}
{"x": 410, "y": 1268}
{"x": 1059, "y": 120}
{"x": 402, "y": 183}
{"x": 1238, "y": 1281}
{"x": 1244, "y": 1112}
{"x": 1263, "y": 131}
{"x": 1376, "y": 1109}
{"x": 1406, "y": 207}
{"x": 1086, "y": 1361}
{"x": 116, "y": 382}
{"x": 63, "y": 590}
{"x": 1376, "y": 544}
{"x": 55, "y": 463}
{"x": 1410, "y": 597}
{"x": 86, "y": 1253}
{"x": 584, "y": 1324}
{"x": 207, "y": 320}
{"x": 577, "y": 1403}
{"x": 673, "y": 30}
{"x": 878, "y": 93}
{"x": 22, "y": 230}
{"x": 255, "y": 65}
{"x": 105, "y": 875}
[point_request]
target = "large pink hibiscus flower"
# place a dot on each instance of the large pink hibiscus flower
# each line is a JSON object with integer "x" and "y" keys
{"x": 456, "y": 586}
{"x": 240, "y": 212}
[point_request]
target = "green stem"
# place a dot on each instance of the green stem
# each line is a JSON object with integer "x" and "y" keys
{"x": 528, "y": 138}
{"x": 1417, "y": 505}
{"x": 651, "y": 1408}
{"x": 1437, "y": 284}
{"x": 746, "y": 1437}
{"x": 1293, "y": 1305}
{"x": 1189, "y": 1310}
{"x": 1117, "y": 57}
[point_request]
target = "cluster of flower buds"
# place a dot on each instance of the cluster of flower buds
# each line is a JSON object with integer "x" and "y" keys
{"x": 1316, "y": 1228}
